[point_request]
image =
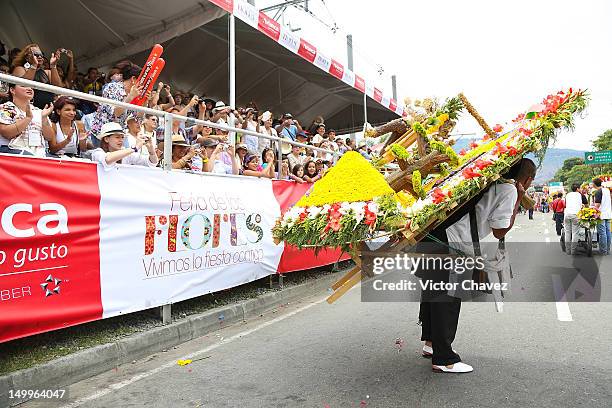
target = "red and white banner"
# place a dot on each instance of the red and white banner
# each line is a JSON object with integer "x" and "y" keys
{"x": 263, "y": 23}
{"x": 80, "y": 243}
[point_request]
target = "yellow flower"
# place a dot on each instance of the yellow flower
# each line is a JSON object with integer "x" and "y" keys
{"x": 352, "y": 179}
{"x": 184, "y": 362}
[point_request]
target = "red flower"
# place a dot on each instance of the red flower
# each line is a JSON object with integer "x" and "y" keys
{"x": 438, "y": 196}
{"x": 498, "y": 128}
{"x": 499, "y": 149}
{"x": 334, "y": 224}
{"x": 526, "y": 132}
{"x": 462, "y": 152}
{"x": 303, "y": 216}
{"x": 482, "y": 164}
{"x": 469, "y": 173}
{"x": 473, "y": 145}
{"x": 520, "y": 117}
{"x": 512, "y": 151}
{"x": 370, "y": 217}
{"x": 486, "y": 137}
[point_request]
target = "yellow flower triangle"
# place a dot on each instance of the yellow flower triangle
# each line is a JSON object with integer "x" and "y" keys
{"x": 352, "y": 179}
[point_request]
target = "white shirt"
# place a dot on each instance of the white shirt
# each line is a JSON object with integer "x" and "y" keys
{"x": 31, "y": 138}
{"x": 494, "y": 210}
{"x": 573, "y": 203}
{"x": 99, "y": 155}
{"x": 606, "y": 204}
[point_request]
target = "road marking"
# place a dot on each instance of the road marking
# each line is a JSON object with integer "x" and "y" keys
{"x": 563, "y": 312}
{"x": 141, "y": 376}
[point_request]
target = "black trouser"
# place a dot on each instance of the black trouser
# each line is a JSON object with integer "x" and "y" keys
{"x": 439, "y": 316}
{"x": 559, "y": 221}
{"x": 531, "y": 213}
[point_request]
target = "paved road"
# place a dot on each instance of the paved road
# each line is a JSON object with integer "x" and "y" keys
{"x": 312, "y": 354}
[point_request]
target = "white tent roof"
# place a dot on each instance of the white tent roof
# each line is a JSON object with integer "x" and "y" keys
{"x": 194, "y": 35}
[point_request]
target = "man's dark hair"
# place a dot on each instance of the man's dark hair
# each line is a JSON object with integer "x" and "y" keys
{"x": 597, "y": 182}
{"x": 523, "y": 169}
{"x": 575, "y": 187}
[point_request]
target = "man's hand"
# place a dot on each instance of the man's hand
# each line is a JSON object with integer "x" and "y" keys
{"x": 194, "y": 101}
{"x": 520, "y": 189}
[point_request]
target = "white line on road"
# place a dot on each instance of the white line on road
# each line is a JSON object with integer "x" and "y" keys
{"x": 563, "y": 312}
{"x": 125, "y": 383}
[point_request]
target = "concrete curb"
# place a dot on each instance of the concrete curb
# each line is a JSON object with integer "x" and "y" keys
{"x": 87, "y": 363}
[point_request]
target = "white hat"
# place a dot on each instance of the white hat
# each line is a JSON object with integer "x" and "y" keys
{"x": 219, "y": 106}
{"x": 266, "y": 116}
{"x": 109, "y": 128}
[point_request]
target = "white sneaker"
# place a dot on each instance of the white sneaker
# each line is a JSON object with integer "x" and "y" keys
{"x": 458, "y": 368}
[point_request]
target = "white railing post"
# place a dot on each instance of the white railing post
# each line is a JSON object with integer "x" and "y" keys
{"x": 168, "y": 141}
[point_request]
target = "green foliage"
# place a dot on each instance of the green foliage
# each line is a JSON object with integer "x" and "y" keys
{"x": 418, "y": 128}
{"x": 452, "y": 107}
{"x": 417, "y": 185}
{"x": 604, "y": 141}
{"x": 400, "y": 152}
{"x": 575, "y": 171}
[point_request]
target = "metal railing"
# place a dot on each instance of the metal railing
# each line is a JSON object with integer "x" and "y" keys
{"x": 169, "y": 118}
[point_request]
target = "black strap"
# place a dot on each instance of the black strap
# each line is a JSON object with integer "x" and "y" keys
{"x": 474, "y": 232}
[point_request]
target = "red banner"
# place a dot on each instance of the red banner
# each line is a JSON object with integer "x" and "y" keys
{"x": 49, "y": 234}
{"x": 288, "y": 193}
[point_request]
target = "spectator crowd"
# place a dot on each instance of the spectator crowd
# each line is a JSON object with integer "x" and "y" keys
{"x": 40, "y": 123}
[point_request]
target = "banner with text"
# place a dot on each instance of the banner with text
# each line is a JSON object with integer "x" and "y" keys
{"x": 79, "y": 243}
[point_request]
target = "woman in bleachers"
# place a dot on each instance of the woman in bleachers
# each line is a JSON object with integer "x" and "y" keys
{"x": 112, "y": 150}
{"x": 124, "y": 90}
{"x": 29, "y": 64}
{"x": 24, "y": 129}
{"x": 68, "y": 137}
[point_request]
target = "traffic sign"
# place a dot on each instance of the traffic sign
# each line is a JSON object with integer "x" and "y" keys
{"x": 556, "y": 184}
{"x": 601, "y": 157}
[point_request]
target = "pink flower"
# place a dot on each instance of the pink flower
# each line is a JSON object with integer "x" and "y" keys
{"x": 498, "y": 128}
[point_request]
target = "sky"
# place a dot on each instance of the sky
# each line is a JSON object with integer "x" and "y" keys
{"x": 504, "y": 55}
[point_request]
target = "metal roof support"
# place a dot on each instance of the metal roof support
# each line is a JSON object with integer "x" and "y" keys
{"x": 109, "y": 28}
{"x": 259, "y": 81}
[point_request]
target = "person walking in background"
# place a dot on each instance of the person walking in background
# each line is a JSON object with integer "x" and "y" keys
{"x": 603, "y": 202}
{"x": 558, "y": 208}
{"x": 573, "y": 204}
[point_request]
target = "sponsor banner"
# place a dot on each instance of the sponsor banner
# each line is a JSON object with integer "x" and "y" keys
{"x": 348, "y": 77}
{"x": 323, "y": 62}
{"x": 247, "y": 13}
{"x": 49, "y": 263}
{"x": 269, "y": 27}
{"x": 227, "y": 5}
{"x": 360, "y": 83}
{"x": 393, "y": 105}
{"x": 336, "y": 69}
{"x": 288, "y": 193}
{"x": 168, "y": 236}
{"x": 289, "y": 41}
{"x": 262, "y": 22}
{"x": 79, "y": 243}
{"x": 307, "y": 51}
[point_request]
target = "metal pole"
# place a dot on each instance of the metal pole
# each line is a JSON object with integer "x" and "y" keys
{"x": 349, "y": 61}
{"x": 232, "y": 72}
{"x": 394, "y": 86}
{"x": 365, "y": 109}
{"x": 168, "y": 142}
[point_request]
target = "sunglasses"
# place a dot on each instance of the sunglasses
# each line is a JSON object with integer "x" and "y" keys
{"x": 37, "y": 54}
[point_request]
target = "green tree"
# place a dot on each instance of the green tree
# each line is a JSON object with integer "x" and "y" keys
{"x": 603, "y": 141}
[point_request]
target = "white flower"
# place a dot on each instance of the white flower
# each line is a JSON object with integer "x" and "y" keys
{"x": 344, "y": 208}
{"x": 313, "y": 212}
{"x": 373, "y": 207}
{"x": 358, "y": 209}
